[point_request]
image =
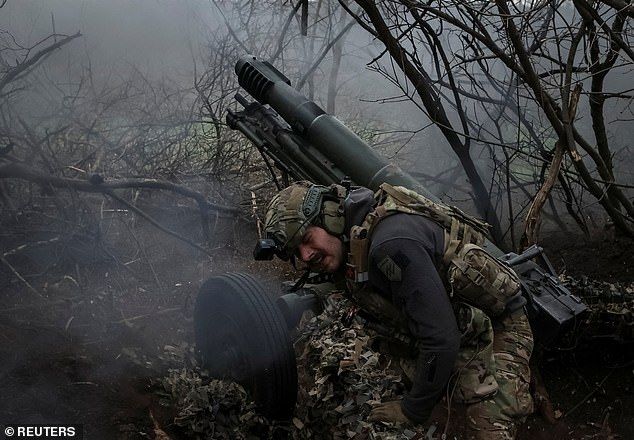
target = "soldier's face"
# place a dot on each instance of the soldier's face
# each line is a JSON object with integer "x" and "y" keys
{"x": 322, "y": 251}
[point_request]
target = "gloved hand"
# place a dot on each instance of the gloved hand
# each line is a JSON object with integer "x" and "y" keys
{"x": 388, "y": 412}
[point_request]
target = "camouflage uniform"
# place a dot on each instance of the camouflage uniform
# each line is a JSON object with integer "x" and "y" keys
{"x": 492, "y": 374}
{"x": 484, "y": 359}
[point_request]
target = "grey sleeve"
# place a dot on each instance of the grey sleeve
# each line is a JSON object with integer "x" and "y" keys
{"x": 402, "y": 267}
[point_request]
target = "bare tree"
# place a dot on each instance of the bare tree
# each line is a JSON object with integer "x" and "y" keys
{"x": 75, "y": 143}
{"x": 531, "y": 54}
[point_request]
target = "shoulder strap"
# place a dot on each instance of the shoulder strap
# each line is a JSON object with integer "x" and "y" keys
{"x": 459, "y": 227}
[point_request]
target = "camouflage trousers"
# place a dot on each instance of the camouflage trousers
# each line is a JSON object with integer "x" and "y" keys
{"x": 492, "y": 374}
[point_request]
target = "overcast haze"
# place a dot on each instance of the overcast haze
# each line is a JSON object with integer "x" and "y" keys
{"x": 154, "y": 35}
{"x": 159, "y": 36}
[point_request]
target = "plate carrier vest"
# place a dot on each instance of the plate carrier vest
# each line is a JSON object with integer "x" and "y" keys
{"x": 470, "y": 273}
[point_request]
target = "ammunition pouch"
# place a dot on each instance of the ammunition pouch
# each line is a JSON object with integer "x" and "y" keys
{"x": 482, "y": 280}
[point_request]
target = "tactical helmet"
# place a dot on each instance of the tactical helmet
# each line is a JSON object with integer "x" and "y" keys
{"x": 295, "y": 208}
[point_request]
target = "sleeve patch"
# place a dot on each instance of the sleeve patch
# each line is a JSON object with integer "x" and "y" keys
{"x": 390, "y": 269}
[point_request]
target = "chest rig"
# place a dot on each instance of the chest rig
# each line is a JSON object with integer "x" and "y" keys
{"x": 469, "y": 272}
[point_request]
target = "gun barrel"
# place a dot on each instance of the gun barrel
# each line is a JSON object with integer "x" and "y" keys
{"x": 552, "y": 308}
{"x": 332, "y": 138}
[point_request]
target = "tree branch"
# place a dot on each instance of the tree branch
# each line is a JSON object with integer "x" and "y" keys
{"x": 96, "y": 184}
{"x": 13, "y": 73}
{"x": 20, "y": 171}
{"x": 531, "y": 229}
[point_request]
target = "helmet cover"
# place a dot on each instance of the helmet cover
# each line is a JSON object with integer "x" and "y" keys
{"x": 295, "y": 208}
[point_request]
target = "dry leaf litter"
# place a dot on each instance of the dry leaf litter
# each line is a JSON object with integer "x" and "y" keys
{"x": 341, "y": 377}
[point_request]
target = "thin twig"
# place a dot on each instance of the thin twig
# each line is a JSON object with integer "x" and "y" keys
{"x": 29, "y": 245}
{"x": 148, "y": 315}
{"x": 590, "y": 394}
{"x": 17, "y": 274}
{"x": 156, "y": 224}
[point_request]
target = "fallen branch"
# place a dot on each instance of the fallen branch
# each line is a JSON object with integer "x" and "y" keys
{"x": 95, "y": 185}
{"x": 98, "y": 185}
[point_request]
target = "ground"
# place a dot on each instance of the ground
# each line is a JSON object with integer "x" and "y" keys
{"x": 90, "y": 344}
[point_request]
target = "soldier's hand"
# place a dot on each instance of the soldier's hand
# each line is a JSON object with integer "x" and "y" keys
{"x": 388, "y": 412}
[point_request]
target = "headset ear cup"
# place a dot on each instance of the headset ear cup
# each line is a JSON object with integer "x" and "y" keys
{"x": 332, "y": 218}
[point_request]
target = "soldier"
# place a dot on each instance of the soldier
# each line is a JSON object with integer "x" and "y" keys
{"x": 480, "y": 346}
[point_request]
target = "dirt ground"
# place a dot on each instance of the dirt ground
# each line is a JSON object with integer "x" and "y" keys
{"x": 87, "y": 343}
{"x": 592, "y": 384}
